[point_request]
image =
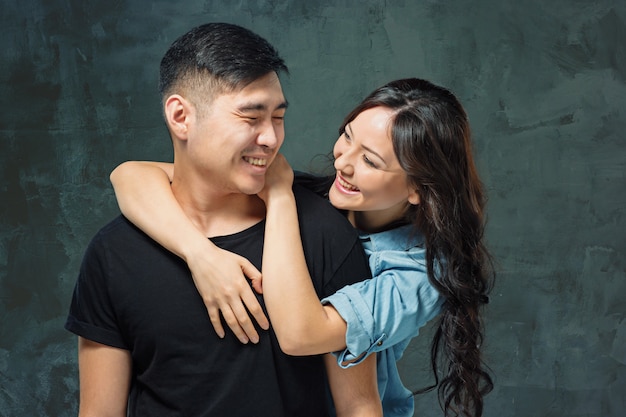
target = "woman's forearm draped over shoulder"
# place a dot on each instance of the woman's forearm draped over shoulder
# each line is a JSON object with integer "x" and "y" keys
{"x": 302, "y": 325}
{"x": 144, "y": 196}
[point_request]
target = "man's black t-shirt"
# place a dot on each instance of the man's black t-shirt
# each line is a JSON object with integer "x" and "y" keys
{"x": 133, "y": 294}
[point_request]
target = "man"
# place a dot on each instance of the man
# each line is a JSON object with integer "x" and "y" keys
{"x": 146, "y": 344}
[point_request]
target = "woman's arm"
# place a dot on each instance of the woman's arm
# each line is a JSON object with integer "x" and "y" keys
{"x": 144, "y": 195}
{"x": 354, "y": 390}
{"x": 302, "y": 324}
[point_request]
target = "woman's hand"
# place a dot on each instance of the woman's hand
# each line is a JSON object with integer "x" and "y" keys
{"x": 220, "y": 277}
{"x": 278, "y": 179}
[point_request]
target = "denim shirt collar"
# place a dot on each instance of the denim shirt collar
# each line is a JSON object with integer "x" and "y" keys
{"x": 405, "y": 237}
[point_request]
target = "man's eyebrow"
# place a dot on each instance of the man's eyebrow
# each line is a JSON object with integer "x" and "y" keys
{"x": 363, "y": 146}
{"x": 249, "y": 107}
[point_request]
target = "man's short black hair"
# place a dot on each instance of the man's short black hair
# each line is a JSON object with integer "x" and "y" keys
{"x": 216, "y": 57}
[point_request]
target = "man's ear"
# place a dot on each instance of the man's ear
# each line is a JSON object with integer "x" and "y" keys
{"x": 177, "y": 115}
{"x": 414, "y": 197}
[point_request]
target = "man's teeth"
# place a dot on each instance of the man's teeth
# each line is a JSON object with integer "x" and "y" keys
{"x": 347, "y": 185}
{"x": 256, "y": 161}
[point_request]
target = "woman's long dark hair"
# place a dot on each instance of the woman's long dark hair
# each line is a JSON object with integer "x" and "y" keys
{"x": 431, "y": 139}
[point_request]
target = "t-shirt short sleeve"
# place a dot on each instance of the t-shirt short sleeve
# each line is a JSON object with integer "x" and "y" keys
{"x": 92, "y": 314}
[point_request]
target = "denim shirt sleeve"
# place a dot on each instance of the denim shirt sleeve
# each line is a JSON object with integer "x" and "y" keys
{"x": 388, "y": 309}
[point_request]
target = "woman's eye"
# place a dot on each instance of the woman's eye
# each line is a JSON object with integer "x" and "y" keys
{"x": 368, "y": 161}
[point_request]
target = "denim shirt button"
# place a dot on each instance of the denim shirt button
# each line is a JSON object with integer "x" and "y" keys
{"x": 380, "y": 343}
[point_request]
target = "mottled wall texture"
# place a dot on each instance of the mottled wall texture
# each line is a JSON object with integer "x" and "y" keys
{"x": 544, "y": 83}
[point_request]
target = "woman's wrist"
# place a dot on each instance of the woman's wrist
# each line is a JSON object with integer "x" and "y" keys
{"x": 280, "y": 198}
{"x": 195, "y": 247}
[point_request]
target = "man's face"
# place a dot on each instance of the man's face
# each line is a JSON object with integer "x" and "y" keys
{"x": 234, "y": 140}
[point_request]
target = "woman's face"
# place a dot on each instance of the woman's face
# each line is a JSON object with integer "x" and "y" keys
{"x": 369, "y": 178}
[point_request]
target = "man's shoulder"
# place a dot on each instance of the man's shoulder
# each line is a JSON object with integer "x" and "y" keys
{"x": 331, "y": 245}
{"x": 319, "y": 218}
{"x": 301, "y": 192}
{"x": 117, "y": 225}
{"x": 311, "y": 204}
{"x": 116, "y": 231}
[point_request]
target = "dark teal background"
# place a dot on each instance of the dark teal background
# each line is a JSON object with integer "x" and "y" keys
{"x": 544, "y": 83}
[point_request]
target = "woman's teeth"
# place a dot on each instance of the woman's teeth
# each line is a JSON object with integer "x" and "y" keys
{"x": 346, "y": 185}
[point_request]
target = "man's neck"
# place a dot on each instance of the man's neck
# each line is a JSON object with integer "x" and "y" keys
{"x": 216, "y": 212}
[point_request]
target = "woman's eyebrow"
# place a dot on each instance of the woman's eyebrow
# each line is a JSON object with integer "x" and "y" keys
{"x": 349, "y": 127}
{"x": 370, "y": 150}
{"x": 374, "y": 152}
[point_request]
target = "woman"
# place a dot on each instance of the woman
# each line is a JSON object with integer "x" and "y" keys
{"x": 407, "y": 181}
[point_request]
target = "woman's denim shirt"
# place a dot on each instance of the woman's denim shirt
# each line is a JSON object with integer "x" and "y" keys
{"x": 384, "y": 313}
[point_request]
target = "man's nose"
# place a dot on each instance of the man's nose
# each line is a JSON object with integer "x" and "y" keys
{"x": 270, "y": 136}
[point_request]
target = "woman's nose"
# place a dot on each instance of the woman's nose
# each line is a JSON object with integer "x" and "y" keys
{"x": 343, "y": 162}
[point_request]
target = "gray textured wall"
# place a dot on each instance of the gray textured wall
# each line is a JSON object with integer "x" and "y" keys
{"x": 544, "y": 83}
